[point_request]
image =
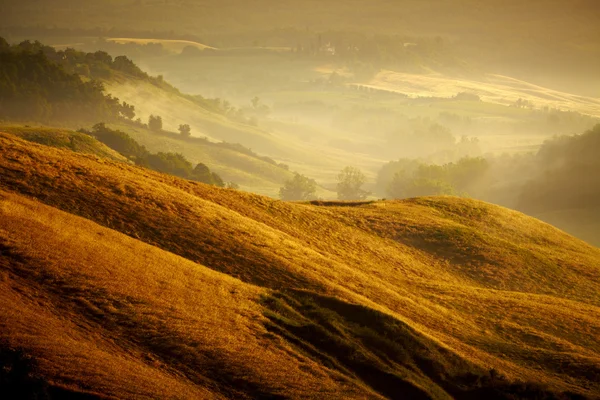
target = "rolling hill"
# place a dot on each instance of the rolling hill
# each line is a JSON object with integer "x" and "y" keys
{"x": 126, "y": 283}
{"x": 313, "y": 158}
{"x": 63, "y": 138}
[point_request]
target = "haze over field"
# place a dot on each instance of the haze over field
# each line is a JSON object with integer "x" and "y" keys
{"x": 317, "y": 199}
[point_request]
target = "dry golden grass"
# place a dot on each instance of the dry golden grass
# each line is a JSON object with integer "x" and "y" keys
{"x": 63, "y": 138}
{"x": 124, "y": 319}
{"x": 485, "y": 284}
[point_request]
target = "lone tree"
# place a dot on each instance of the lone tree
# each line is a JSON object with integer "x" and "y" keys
{"x": 155, "y": 123}
{"x": 298, "y": 188}
{"x": 185, "y": 130}
{"x": 350, "y": 180}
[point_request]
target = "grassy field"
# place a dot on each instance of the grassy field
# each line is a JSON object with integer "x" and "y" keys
{"x": 175, "y": 46}
{"x": 63, "y": 138}
{"x": 496, "y": 89}
{"x": 202, "y": 292}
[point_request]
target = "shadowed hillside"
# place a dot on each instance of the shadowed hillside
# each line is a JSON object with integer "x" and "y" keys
{"x": 192, "y": 291}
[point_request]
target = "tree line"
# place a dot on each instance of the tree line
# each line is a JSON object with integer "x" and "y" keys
{"x": 349, "y": 186}
{"x": 169, "y": 163}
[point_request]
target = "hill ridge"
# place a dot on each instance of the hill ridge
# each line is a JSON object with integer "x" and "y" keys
{"x": 364, "y": 256}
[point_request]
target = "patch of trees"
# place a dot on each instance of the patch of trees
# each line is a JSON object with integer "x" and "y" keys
{"x": 185, "y": 130}
{"x": 411, "y": 178}
{"x": 96, "y": 65}
{"x": 169, "y": 163}
{"x": 567, "y": 174}
{"x": 363, "y": 53}
{"x": 225, "y": 108}
{"x": 422, "y": 138}
{"x": 298, "y": 188}
{"x": 34, "y": 87}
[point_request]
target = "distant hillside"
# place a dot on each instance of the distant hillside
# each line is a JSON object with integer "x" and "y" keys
{"x": 62, "y": 138}
{"x": 34, "y": 87}
{"x": 145, "y": 284}
{"x": 565, "y": 191}
{"x": 68, "y": 88}
{"x": 171, "y": 45}
{"x": 536, "y": 38}
{"x": 233, "y": 162}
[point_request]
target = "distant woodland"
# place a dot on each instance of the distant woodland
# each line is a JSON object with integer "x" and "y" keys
{"x": 39, "y": 83}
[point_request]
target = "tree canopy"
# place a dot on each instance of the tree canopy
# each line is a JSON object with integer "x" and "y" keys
{"x": 299, "y": 187}
{"x": 349, "y": 187}
{"x": 33, "y": 87}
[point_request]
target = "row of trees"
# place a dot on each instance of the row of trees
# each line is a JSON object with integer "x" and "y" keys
{"x": 398, "y": 179}
{"x": 155, "y": 124}
{"x": 412, "y": 178}
{"x": 170, "y": 163}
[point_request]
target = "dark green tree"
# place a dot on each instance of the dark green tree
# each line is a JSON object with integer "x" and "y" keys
{"x": 121, "y": 142}
{"x": 185, "y": 130}
{"x": 299, "y": 187}
{"x": 127, "y": 110}
{"x": 155, "y": 123}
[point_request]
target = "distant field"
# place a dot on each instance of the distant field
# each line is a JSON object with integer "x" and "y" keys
{"x": 493, "y": 89}
{"x": 176, "y": 46}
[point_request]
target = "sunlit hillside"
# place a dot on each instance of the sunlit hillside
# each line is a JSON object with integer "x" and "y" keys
{"x": 492, "y": 89}
{"x": 315, "y": 158}
{"x": 547, "y": 36}
{"x": 128, "y": 283}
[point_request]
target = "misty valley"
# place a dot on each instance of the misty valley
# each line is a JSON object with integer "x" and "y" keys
{"x": 387, "y": 200}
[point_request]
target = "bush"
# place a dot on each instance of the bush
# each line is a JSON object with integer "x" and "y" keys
{"x": 155, "y": 123}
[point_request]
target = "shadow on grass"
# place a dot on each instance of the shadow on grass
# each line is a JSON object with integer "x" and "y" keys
{"x": 390, "y": 357}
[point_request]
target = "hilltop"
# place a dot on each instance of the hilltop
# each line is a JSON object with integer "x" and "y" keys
{"x": 118, "y": 274}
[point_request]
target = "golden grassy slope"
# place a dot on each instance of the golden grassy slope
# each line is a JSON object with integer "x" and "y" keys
{"x": 63, "y": 138}
{"x": 111, "y": 315}
{"x": 251, "y": 173}
{"x": 489, "y": 286}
